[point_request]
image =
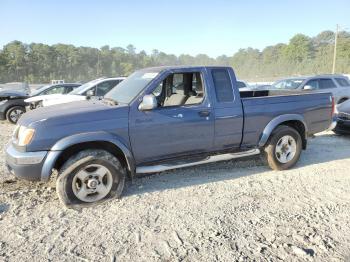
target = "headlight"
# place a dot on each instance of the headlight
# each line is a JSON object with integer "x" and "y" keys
{"x": 3, "y": 101}
{"x": 24, "y": 135}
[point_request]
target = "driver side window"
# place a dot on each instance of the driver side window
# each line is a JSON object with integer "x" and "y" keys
{"x": 180, "y": 89}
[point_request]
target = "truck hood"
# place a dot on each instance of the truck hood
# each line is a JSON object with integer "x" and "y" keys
{"x": 72, "y": 114}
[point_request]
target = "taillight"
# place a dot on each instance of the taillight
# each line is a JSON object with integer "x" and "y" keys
{"x": 333, "y": 106}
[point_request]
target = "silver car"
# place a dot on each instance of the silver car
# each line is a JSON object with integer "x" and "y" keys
{"x": 338, "y": 85}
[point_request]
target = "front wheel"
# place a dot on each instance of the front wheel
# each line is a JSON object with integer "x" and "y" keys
{"x": 90, "y": 177}
{"x": 14, "y": 113}
{"x": 283, "y": 149}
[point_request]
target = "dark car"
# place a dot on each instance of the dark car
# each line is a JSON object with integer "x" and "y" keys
{"x": 343, "y": 119}
{"x": 12, "y": 104}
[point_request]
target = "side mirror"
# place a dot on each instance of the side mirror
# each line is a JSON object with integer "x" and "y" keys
{"x": 149, "y": 102}
{"x": 90, "y": 93}
{"x": 308, "y": 87}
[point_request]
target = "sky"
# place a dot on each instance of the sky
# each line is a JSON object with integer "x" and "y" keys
{"x": 212, "y": 27}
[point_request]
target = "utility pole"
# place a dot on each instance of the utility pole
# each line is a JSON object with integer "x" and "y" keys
{"x": 335, "y": 49}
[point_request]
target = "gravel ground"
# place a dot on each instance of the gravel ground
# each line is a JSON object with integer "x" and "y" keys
{"x": 227, "y": 211}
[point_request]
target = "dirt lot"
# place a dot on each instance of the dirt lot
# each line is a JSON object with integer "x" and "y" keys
{"x": 235, "y": 210}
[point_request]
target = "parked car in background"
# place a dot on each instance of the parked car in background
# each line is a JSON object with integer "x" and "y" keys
{"x": 95, "y": 88}
{"x": 338, "y": 85}
{"x": 15, "y": 86}
{"x": 242, "y": 84}
{"x": 160, "y": 119}
{"x": 12, "y": 104}
{"x": 343, "y": 118}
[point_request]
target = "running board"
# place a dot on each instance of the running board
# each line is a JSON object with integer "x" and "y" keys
{"x": 210, "y": 159}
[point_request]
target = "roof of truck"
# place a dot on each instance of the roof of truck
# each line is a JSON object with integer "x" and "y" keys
{"x": 160, "y": 68}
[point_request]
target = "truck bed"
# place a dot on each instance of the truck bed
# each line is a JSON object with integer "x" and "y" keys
{"x": 262, "y": 106}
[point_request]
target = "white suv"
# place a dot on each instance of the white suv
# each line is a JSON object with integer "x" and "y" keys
{"x": 338, "y": 85}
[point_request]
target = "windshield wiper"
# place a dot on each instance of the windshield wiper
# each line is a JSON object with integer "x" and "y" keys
{"x": 110, "y": 101}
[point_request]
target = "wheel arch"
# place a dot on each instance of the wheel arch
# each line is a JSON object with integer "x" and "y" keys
{"x": 69, "y": 146}
{"x": 342, "y": 99}
{"x": 292, "y": 120}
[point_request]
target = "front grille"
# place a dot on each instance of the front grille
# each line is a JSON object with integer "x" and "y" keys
{"x": 344, "y": 116}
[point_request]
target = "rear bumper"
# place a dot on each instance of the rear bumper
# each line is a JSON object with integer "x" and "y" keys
{"x": 25, "y": 165}
{"x": 343, "y": 126}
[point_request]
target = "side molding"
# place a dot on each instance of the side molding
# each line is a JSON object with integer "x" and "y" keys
{"x": 277, "y": 121}
{"x": 66, "y": 142}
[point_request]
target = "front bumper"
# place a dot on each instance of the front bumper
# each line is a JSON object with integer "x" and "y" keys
{"x": 26, "y": 165}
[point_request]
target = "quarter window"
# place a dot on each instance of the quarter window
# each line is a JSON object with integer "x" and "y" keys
{"x": 326, "y": 83}
{"x": 223, "y": 86}
{"x": 342, "y": 82}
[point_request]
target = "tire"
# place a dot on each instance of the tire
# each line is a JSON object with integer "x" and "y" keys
{"x": 90, "y": 177}
{"x": 283, "y": 149}
{"x": 14, "y": 113}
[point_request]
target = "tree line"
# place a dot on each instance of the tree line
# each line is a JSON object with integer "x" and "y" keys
{"x": 39, "y": 63}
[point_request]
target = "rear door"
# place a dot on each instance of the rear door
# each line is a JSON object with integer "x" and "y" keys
{"x": 228, "y": 114}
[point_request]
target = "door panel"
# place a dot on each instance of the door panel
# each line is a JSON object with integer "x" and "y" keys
{"x": 171, "y": 131}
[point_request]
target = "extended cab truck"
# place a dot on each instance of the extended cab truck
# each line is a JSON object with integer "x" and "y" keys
{"x": 159, "y": 119}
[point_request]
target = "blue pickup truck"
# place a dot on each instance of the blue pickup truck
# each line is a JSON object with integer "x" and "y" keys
{"x": 159, "y": 119}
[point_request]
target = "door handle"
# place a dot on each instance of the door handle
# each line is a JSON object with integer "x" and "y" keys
{"x": 204, "y": 113}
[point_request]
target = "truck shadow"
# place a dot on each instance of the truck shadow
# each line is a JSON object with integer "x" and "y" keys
{"x": 321, "y": 150}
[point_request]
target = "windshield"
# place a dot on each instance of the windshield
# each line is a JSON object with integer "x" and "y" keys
{"x": 288, "y": 84}
{"x": 127, "y": 90}
{"x": 81, "y": 89}
{"x": 40, "y": 89}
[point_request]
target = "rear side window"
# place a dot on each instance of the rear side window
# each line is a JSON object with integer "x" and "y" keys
{"x": 342, "y": 81}
{"x": 223, "y": 86}
{"x": 326, "y": 83}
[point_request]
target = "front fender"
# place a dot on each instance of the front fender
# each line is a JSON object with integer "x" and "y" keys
{"x": 276, "y": 122}
{"x": 100, "y": 136}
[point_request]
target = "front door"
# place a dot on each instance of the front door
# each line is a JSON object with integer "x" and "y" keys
{"x": 183, "y": 123}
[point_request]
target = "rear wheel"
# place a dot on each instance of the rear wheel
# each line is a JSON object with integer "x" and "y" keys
{"x": 283, "y": 149}
{"x": 89, "y": 177}
{"x": 14, "y": 113}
